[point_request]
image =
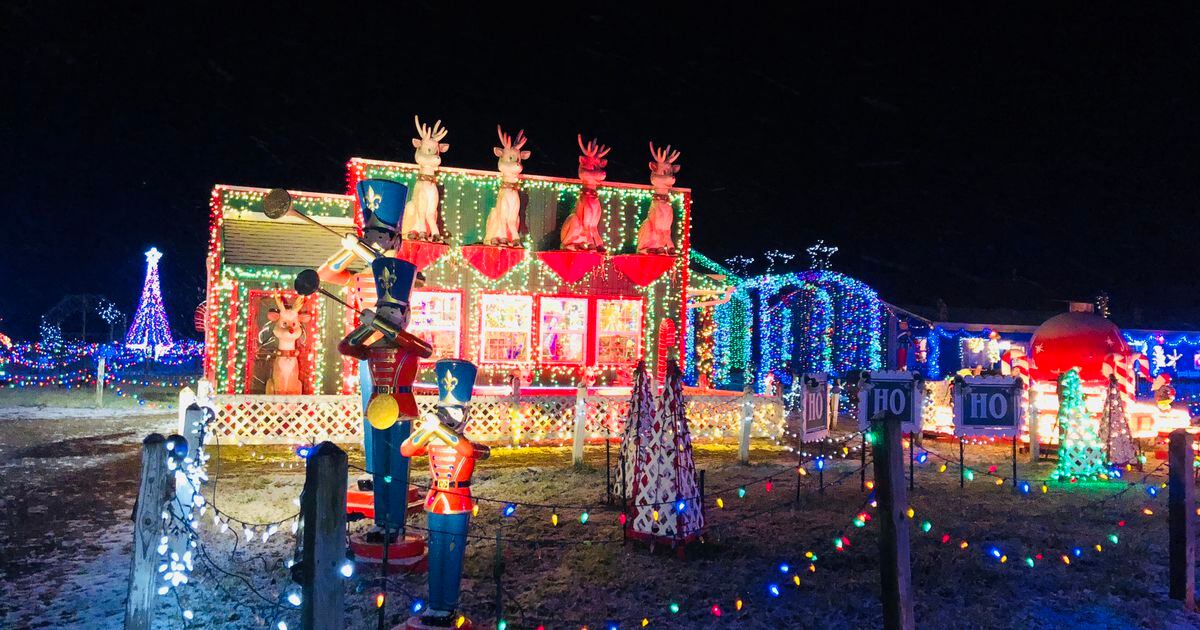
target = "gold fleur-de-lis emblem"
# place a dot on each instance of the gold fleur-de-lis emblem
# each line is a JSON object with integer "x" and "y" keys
{"x": 373, "y": 199}
{"x": 386, "y": 280}
{"x": 449, "y": 381}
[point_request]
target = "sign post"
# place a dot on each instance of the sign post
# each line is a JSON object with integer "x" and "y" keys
{"x": 895, "y": 569}
{"x": 814, "y": 406}
{"x": 989, "y": 406}
{"x": 896, "y": 394}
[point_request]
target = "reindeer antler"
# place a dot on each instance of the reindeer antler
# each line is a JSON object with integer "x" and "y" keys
{"x": 665, "y": 156}
{"x": 506, "y": 141}
{"x": 436, "y": 133}
{"x": 439, "y": 132}
{"x": 593, "y": 149}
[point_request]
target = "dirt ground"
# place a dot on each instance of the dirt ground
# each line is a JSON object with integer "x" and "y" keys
{"x": 68, "y": 480}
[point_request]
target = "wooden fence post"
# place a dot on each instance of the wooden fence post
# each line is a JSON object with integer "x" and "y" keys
{"x": 153, "y": 491}
{"x": 1035, "y": 444}
{"x": 100, "y": 382}
{"x": 747, "y": 419}
{"x": 1181, "y": 519}
{"x": 323, "y": 508}
{"x": 895, "y": 570}
{"x": 580, "y": 425}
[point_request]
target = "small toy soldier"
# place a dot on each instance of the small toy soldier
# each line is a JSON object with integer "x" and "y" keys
{"x": 452, "y": 460}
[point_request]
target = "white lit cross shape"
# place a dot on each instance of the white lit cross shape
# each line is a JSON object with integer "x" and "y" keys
{"x": 1173, "y": 359}
{"x": 153, "y": 255}
{"x": 819, "y": 254}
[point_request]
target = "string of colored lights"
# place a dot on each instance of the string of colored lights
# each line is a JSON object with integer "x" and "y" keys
{"x": 839, "y": 332}
{"x": 936, "y": 334}
{"x": 1030, "y": 560}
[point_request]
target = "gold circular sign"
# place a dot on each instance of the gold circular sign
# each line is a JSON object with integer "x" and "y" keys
{"x": 383, "y": 411}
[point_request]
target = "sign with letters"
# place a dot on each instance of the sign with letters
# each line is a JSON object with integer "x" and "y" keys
{"x": 895, "y": 394}
{"x": 814, "y": 406}
{"x": 988, "y": 405}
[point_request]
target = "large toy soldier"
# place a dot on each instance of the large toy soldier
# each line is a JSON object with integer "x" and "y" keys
{"x": 387, "y": 367}
{"x": 448, "y": 507}
{"x": 391, "y": 356}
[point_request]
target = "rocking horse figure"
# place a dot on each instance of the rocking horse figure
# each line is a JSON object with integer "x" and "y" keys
{"x": 654, "y": 237}
{"x": 504, "y": 221}
{"x": 421, "y": 212}
{"x": 287, "y": 326}
{"x": 581, "y": 230}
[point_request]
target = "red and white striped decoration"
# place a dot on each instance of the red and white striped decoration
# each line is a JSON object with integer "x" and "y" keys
{"x": 1124, "y": 369}
{"x": 1018, "y": 366}
{"x": 1141, "y": 364}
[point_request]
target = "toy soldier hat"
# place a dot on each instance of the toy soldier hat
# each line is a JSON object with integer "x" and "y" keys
{"x": 382, "y": 202}
{"x": 455, "y": 381}
{"x": 393, "y": 280}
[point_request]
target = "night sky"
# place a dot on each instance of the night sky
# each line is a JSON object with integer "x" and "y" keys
{"x": 1011, "y": 155}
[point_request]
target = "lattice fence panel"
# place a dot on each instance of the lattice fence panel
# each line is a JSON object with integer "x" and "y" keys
{"x": 260, "y": 419}
{"x": 606, "y": 416}
{"x": 497, "y": 420}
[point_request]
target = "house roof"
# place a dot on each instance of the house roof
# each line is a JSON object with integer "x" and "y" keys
{"x": 276, "y": 243}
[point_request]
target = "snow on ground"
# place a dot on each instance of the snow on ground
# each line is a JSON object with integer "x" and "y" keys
{"x": 68, "y": 481}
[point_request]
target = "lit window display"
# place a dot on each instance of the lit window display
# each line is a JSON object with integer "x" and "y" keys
{"x": 563, "y": 329}
{"x": 618, "y": 331}
{"x": 436, "y": 317}
{"x": 505, "y": 328}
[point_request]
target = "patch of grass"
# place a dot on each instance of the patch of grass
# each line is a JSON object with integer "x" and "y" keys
{"x": 130, "y": 397}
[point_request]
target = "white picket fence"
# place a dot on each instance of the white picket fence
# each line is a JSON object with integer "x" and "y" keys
{"x": 496, "y": 420}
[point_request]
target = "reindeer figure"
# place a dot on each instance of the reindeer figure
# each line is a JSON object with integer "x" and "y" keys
{"x": 287, "y": 328}
{"x": 421, "y": 212}
{"x": 504, "y": 221}
{"x": 581, "y": 230}
{"x": 654, "y": 237}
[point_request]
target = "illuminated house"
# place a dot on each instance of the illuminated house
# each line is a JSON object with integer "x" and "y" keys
{"x": 558, "y": 319}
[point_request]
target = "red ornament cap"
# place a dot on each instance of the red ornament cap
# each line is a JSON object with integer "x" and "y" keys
{"x": 1079, "y": 340}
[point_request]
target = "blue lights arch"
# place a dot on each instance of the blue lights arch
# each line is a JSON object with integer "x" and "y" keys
{"x": 811, "y": 321}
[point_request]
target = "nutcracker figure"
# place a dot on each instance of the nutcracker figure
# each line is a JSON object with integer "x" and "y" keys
{"x": 391, "y": 356}
{"x": 382, "y": 360}
{"x": 448, "y": 506}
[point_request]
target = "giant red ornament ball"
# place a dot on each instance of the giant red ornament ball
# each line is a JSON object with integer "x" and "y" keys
{"x": 1079, "y": 340}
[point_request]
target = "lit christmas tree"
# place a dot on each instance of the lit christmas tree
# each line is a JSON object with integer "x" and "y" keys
{"x": 1080, "y": 449}
{"x": 149, "y": 330}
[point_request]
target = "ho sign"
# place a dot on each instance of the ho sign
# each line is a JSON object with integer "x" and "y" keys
{"x": 815, "y": 410}
{"x": 987, "y": 405}
{"x": 895, "y": 394}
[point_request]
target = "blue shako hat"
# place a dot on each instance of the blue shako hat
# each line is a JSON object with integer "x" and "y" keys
{"x": 393, "y": 280}
{"x": 382, "y": 203}
{"x": 455, "y": 380}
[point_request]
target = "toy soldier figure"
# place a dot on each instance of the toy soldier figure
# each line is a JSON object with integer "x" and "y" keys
{"x": 382, "y": 204}
{"x": 452, "y": 460}
{"x": 391, "y": 356}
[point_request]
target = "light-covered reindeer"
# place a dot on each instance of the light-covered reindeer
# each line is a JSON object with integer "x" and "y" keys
{"x": 581, "y": 230}
{"x": 654, "y": 237}
{"x": 288, "y": 328}
{"x": 421, "y": 212}
{"x": 504, "y": 221}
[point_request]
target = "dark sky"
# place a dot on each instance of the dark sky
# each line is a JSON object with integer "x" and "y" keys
{"x": 1005, "y": 155}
